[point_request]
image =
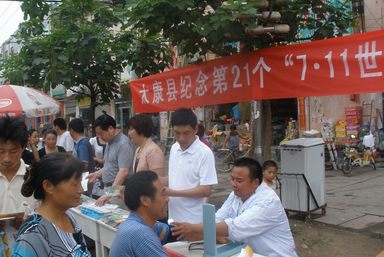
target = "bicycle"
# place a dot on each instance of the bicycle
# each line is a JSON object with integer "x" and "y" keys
{"x": 160, "y": 143}
{"x": 225, "y": 158}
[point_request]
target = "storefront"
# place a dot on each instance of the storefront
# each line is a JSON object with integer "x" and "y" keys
{"x": 70, "y": 110}
{"x": 284, "y": 111}
{"x": 122, "y": 114}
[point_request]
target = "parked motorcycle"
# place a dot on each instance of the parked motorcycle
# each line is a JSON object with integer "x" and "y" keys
{"x": 352, "y": 158}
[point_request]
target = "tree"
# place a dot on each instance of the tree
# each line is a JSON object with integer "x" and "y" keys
{"x": 199, "y": 26}
{"x": 84, "y": 50}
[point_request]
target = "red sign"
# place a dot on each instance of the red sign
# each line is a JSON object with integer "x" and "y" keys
{"x": 302, "y": 116}
{"x": 346, "y": 65}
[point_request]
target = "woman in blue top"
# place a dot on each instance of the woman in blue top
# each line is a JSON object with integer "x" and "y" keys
{"x": 51, "y": 230}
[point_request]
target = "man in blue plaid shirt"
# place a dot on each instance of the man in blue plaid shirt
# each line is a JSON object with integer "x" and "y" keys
{"x": 141, "y": 234}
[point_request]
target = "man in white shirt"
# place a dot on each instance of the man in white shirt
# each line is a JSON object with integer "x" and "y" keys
{"x": 252, "y": 214}
{"x": 192, "y": 171}
{"x": 13, "y": 140}
{"x": 64, "y": 138}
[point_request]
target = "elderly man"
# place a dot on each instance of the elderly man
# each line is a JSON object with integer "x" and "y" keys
{"x": 118, "y": 158}
{"x": 252, "y": 214}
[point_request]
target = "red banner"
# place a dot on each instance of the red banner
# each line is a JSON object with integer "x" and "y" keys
{"x": 346, "y": 65}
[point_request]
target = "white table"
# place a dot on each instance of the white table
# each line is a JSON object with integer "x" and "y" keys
{"x": 89, "y": 228}
{"x": 182, "y": 248}
{"x": 104, "y": 234}
{"x": 98, "y": 231}
{"x": 107, "y": 234}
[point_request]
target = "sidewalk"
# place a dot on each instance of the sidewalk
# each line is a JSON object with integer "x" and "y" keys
{"x": 355, "y": 201}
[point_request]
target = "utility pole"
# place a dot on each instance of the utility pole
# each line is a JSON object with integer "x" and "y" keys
{"x": 258, "y": 131}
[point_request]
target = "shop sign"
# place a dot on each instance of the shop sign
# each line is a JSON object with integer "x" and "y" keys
{"x": 345, "y": 65}
{"x": 58, "y": 90}
{"x": 85, "y": 102}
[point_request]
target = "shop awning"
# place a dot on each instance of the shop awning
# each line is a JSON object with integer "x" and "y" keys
{"x": 346, "y": 65}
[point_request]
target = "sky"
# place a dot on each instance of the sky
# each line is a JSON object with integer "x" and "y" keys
{"x": 10, "y": 17}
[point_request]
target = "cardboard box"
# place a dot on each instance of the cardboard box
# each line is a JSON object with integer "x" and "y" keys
{"x": 340, "y": 134}
{"x": 352, "y": 133}
{"x": 349, "y": 141}
{"x": 341, "y": 122}
{"x": 352, "y": 113}
{"x": 339, "y": 141}
{"x": 220, "y": 136}
{"x": 353, "y": 121}
{"x": 353, "y": 108}
{"x": 353, "y": 117}
{"x": 353, "y": 124}
{"x": 354, "y": 127}
{"x": 340, "y": 128}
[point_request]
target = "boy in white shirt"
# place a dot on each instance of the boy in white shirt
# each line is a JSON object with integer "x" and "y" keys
{"x": 269, "y": 173}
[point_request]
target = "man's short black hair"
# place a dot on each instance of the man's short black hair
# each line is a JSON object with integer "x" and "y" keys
{"x": 60, "y": 122}
{"x": 268, "y": 164}
{"x": 104, "y": 121}
{"x": 14, "y": 130}
{"x": 184, "y": 117}
{"x": 77, "y": 125}
{"x": 143, "y": 124}
{"x": 255, "y": 170}
{"x": 139, "y": 184}
{"x": 233, "y": 127}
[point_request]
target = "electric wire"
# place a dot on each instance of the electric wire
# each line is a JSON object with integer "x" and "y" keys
{"x": 10, "y": 17}
{"x": 6, "y": 9}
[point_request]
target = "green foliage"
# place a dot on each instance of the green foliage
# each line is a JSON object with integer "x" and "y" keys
{"x": 84, "y": 49}
{"x": 90, "y": 43}
{"x": 201, "y": 26}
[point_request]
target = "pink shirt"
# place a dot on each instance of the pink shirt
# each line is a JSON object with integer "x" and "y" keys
{"x": 150, "y": 157}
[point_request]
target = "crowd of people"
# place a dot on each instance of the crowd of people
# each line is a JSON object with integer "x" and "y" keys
{"x": 51, "y": 185}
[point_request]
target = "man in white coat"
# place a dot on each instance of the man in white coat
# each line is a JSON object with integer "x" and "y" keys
{"x": 252, "y": 214}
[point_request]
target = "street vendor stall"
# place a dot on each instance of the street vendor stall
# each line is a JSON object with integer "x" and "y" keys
{"x": 103, "y": 230}
{"x": 15, "y": 100}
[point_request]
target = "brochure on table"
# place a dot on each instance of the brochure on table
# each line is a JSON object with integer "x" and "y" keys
{"x": 8, "y": 233}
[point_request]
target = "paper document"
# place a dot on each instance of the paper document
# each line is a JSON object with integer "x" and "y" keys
{"x": 8, "y": 233}
{"x": 84, "y": 181}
